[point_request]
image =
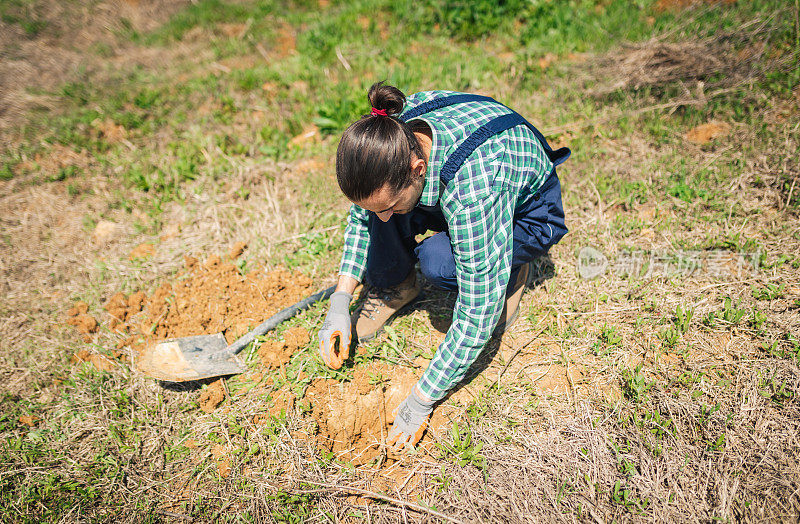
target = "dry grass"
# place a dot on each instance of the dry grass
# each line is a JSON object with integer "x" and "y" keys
{"x": 727, "y": 58}
{"x": 555, "y": 405}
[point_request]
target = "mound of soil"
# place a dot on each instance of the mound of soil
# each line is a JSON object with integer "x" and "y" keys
{"x": 215, "y": 297}
{"x": 205, "y": 299}
{"x": 354, "y": 418}
{"x": 142, "y": 251}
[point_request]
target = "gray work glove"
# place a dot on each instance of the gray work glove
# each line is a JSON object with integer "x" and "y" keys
{"x": 336, "y": 325}
{"x": 410, "y": 420}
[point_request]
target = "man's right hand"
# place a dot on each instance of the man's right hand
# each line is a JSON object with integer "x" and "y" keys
{"x": 337, "y": 326}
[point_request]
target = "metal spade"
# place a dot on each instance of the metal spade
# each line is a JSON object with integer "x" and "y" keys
{"x": 205, "y": 356}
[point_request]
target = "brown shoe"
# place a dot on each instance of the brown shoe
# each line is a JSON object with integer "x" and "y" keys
{"x": 382, "y": 305}
{"x": 513, "y": 296}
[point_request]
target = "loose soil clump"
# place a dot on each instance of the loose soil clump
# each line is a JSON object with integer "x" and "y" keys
{"x": 212, "y": 396}
{"x": 83, "y": 322}
{"x": 705, "y": 133}
{"x": 274, "y": 353}
{"x": 353, "y": 418}
{"x": 204, "y": 299}
{"x": 215, "y": 297}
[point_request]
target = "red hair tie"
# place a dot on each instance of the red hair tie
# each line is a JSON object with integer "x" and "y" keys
{"x": 381, "y": 112}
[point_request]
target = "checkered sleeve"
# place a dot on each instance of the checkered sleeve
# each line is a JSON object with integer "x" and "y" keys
{"x": 356, "y": 242}
{"x": 482, "y": 237}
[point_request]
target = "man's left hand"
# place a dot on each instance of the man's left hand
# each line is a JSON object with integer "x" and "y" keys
{"x": 410, "y": 420}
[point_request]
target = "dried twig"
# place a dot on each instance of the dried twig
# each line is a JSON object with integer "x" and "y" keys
{"x": 377, "y": 496}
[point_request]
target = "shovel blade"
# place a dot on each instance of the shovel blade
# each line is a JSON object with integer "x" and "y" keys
{"x": 190, "y": 358}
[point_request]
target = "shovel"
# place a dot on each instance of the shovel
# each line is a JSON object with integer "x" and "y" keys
{"x": 205, "y": 356}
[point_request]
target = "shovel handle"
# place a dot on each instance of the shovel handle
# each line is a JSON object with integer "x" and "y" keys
{"x": 273, "y": 321}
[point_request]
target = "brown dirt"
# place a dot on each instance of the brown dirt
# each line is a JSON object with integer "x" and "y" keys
{"x": 79, "y": 308}
{"x": 282, "y": 400}
{"x": 108, "y": 130}
{"x": 354, "y": 418}
{"x": 85, "y": 324}
{"x": 214, "y": 297}
{"x": 236, "y": 250}
{"x": 142, "y": 251}
{"x": 274, "y": 353}
{"x": 705, "y": 133}
{"x": 29, "y": 420}
{"x": 212, "y": 396}
{"x": 205, "y": 299}
{"x": 224, "y": 468}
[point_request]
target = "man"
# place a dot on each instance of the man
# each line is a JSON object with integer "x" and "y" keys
{"x": 469, "y": 168}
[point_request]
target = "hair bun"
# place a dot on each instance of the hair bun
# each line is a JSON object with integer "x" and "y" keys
{"x": 386, "y": 97}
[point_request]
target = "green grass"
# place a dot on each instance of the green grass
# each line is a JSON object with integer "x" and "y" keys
{"x": 23, "y": 13}
{"x": 194, "y": 128}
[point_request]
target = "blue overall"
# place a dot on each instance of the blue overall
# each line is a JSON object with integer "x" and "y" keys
{"x": 393, "y": 250}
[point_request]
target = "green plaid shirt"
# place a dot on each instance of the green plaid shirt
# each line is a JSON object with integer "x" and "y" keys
{"x": 478, "y": 204}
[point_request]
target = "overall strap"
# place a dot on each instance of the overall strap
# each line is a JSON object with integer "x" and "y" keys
{"x": 438, "y": 103}
{"x": 483, "y": 133}
{"x": 478, "y": 137}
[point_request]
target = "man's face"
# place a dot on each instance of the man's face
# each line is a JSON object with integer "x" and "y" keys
{"x": 385, "y": 202}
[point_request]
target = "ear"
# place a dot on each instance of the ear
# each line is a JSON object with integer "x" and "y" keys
{"x": 418, "y": 167}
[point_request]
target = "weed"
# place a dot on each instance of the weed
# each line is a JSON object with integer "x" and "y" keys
{"x": 146, "y": 98}
{"x": 710, "y": 319}
{"x": 6, "y": 171}
{"x": 706, "y": 412}
{"x": 778, "y": 391}
{"x": 624, "y": 497}
{"x": 395, "y": 344}
{"x": 463, "y": 450}
{"x": 634, "y": 383}
{"x": 610, "y": 336}
{"x": 683, "y": 317}
{"x": 22, "y": 12}
{"x": 769, "y": 292}
{"x": 292, "y": 507}
{"x": 758, "y": 320}
{"x": 376, "y": 378}
{"x": 78, "y": 92}
{"x": 312, "y": 248}
{"x": 670, "y": 336}
{"x": 443, "y": 480}
{"x": 339, "y": 111}
{"x": 731, "y": 312}
{"x": 64, "y": 173}
{"x": 718, "y": 444}
{"x": 656, "y": 423}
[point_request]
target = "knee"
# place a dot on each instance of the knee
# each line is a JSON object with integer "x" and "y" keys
{"x": 436, "y": 261}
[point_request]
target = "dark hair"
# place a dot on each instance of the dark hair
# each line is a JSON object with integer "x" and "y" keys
{"x": 377, "y": 150}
